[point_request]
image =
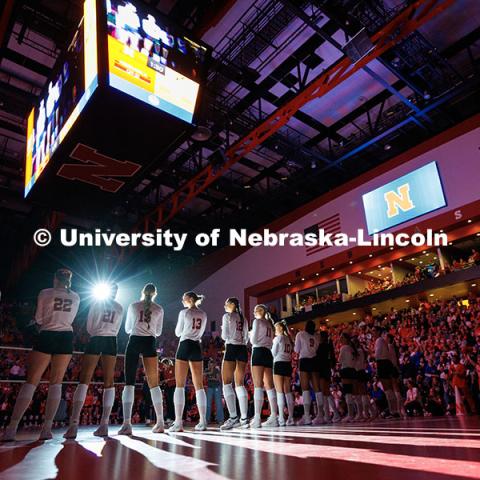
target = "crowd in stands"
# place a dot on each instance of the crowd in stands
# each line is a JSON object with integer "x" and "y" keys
{"x": 438, "y": 346}
{"x": 307, "y": 303}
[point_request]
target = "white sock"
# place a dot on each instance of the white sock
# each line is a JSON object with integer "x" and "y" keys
{"x": 230, "y": 400}
{"x": 258, "y": 401}
{"x": 53, "y": 400}
{"x": 350, "y": 405}
{"x": 326, "y": 406}
{"x": 24, "y": 398}
{"x": 332, "y": 404}
{"x": 179, "y": 402}
{"x": 108, "y": 399}
{"x": 242, "y": 400}
{"x": 201, "y": 404}
{"x": 157, "y": 400}
{"x": 319, "y": 400}
{"x": 77, "y": 403}
{"x": 307, "y": 401}
{"x": 281, "y": 404}
{"x": 290, "y": 404}
{"x": 128, "y": 397}
{"x": 272, "y": 400}
{"x": 357, "y": 399}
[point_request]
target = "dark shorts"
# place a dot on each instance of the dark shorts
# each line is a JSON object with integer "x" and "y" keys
{"x": 138, "y": 345}
{"x": 283, "y": 369}
{"x": 348, "y": 374}
{"x": 189, "y": 351}
{"x": 102, "y": 346}
{"x": 324, "y": 372}
{"x": 235, "y": 353}
{"x": 363, "y": 376}
{"x": 395, "y": 372}
{"x": 262, "y": 357}
{"x": 307, "y": 365}
{"x": 54, "y": 343}
{"x": 384, "y": 369}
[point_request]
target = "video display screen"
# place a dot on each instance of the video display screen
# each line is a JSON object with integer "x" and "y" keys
{"x": 67, "y": 93}
{"x": 408, "y": 197}
{"x": 152, "y": 61}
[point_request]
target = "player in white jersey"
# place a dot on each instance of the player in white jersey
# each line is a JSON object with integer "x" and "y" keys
{"x": 103, "y": 323}
{"x": 282, "y": 349}
{"x": 235, "y": 336}
{"x": 191, "y": 325}
{"x": 365, "y": 408}
{"x": 261, "y": 338}
{"x": 306, "y": 344}
{"x": 144, "y": 324}
{"x": 56, "y": 311}
{"x": 347, "y": 358}
{"x": 384, "y": 367}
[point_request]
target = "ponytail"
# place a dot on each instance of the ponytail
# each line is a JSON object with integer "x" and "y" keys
{"x": 238, "y": 309}
{"x": 197, "y": 298}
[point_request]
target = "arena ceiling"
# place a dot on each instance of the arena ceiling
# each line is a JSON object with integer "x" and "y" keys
{"x": 265, "y": 52}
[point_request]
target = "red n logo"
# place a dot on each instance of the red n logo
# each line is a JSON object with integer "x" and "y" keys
{"x": 99, "y": 169}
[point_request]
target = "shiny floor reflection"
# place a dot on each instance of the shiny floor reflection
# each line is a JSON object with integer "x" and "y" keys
{"x": 432, "y": 449}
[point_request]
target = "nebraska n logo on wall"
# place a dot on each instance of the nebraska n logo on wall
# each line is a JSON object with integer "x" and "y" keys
{"x": 399, "y": 199}
{"x": 97, "y": 169}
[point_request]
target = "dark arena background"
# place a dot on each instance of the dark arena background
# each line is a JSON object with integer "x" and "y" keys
{"x": 179, "y": 119}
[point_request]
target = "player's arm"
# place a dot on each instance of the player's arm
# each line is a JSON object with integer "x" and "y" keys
{"x": 225, "y": 328}
{"x": 298, "y": 342}
{"x": 204, "y": 325}
{"x": 91, "y": 318}
{"x": 275, "y": 345}
{"x": 39, "y": 315}
{"x": 180, "y": 324}
{"x": 160, "y": 323}
{"x": 254, "y": 332}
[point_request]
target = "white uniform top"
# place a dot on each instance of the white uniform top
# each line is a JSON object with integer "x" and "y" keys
{"x": 282, "y": 349}
{"x": 345, "y": 357}
{"x": 360, "y": 361}
{"x": 191, "y": 324}
{"x": 104, "y": 319}
{"x": 381, "y": 349}
{"x": 261, "y": 334}
{"x": 392, "y": 354}
{"x": 306, "y": 345}
{"x": 144, "y": 322}
{"x": 234, "y": 329}
{"x": 56, "y": 309}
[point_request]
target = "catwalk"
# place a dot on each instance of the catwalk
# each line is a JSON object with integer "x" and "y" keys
{"x": 433, "y": 449}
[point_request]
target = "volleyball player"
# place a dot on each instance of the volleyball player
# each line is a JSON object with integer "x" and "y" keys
{"x": 384, "y": 366}
{"x": 347, "y": 358}
{"x": 191, "y": 325}
{"x": 144, "y": 323}
{"x": 360, "y": 397}
{"x": 261, "y": 338}
{"x": 393, "y": 356}
{"x": 306, "y": 343}
{"x": 282, "y": 372}
{"x": 103, "y": 323}
{"x": 56, "y": 311}
{"x": 325, "y": 360}
{"x": 235, "y": 335}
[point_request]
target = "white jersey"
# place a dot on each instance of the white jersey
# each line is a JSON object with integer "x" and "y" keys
{"x": 381, "y": 349}
{"x": 345, "y": 357}
{"x": 361, "y": 360}
{"x": 191, "y": 324}
{"x": 56, "y": 309}
{"x": 104, "y": 319}
{"x": 306, "y": 345}
{"x": 234, "y": 329}
{"x": 282, "y": 349}
{"x": 261, "y": 334}
{"x": 144, "y": 321}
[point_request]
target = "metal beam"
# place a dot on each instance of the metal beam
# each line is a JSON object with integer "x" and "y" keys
{"x": 406, "y": 22}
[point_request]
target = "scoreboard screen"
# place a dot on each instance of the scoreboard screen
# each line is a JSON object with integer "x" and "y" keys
{"x": 152, "y": 60}
{"x": 65, "y": 97}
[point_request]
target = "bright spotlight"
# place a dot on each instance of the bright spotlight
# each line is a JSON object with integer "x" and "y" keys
{"x": 101, "y": 291}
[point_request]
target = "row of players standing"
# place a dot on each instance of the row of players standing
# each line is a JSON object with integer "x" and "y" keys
{"x": 271, "y": 361}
